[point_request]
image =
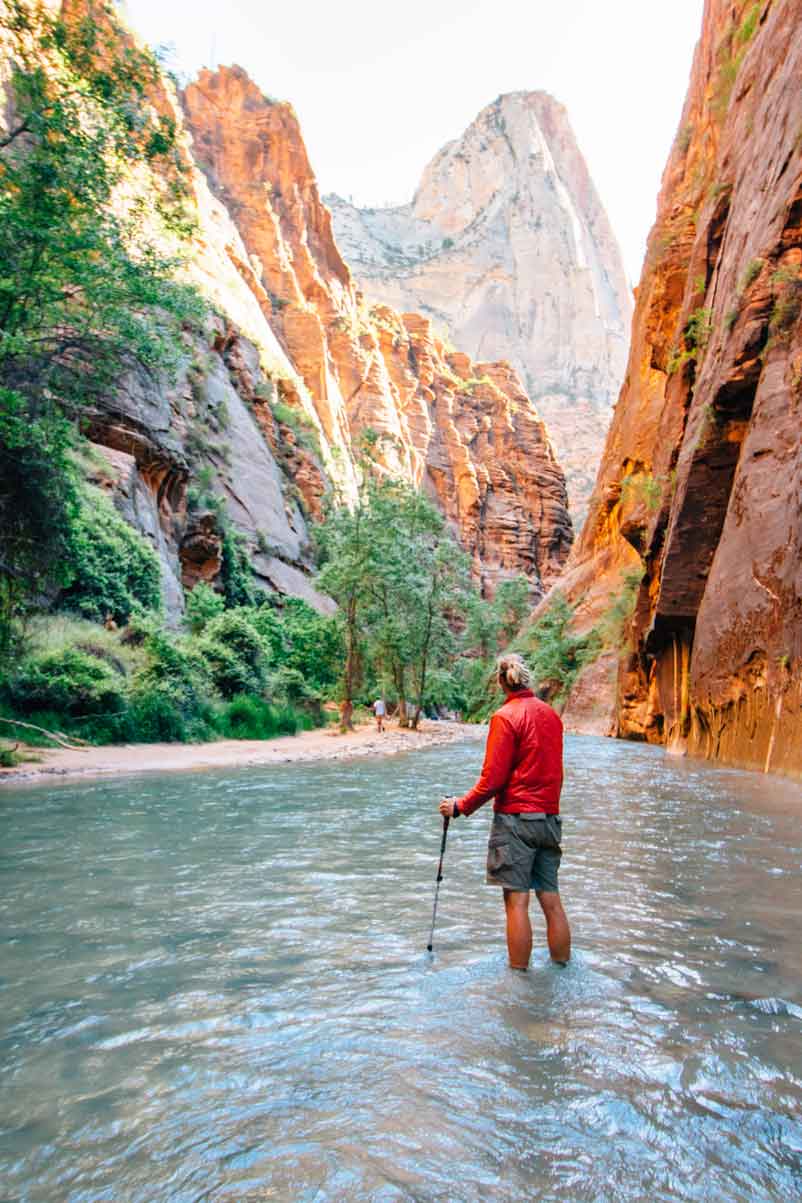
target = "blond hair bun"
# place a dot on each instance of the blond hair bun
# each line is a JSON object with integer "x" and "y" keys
{"x": 513, "y": 672}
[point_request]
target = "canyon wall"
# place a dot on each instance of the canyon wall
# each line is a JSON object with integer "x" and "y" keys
{"x": 700, "y": 486}
{"x": 465, "y": 432}
{"x": 296, "y": 378}
{"x": 506, "y": 246}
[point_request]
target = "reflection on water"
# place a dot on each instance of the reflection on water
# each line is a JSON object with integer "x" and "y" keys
{"x": 213, "y": 986}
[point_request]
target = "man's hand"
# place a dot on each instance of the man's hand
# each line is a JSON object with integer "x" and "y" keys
{"x": 447, "y": 808}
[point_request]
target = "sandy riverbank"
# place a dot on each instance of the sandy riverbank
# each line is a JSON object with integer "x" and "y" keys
{"x": 165, "y": 758}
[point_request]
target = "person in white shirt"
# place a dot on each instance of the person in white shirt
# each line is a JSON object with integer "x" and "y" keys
{"x": 379, "y": 710}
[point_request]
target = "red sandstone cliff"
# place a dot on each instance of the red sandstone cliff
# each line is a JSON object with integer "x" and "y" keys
{"x": 699, "y": 487}
{"x": 466, "y": 433}
{"x": 272, "y": 399}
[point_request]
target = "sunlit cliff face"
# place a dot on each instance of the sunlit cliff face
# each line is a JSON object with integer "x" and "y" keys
{"x": 465, "y": 432}
{"x": 506, "y": 245}
{"x": 700, "y": 481}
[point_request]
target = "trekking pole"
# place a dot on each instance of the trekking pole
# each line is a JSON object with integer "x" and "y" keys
{"x": 439, "y": 879}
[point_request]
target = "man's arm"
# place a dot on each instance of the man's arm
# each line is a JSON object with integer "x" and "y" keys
{"x": 496, "y": 770}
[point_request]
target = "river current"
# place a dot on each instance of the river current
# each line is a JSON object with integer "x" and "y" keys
{"x": 214, "y": 986}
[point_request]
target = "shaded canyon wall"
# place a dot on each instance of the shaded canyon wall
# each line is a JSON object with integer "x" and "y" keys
{"x": 699, "y": 489}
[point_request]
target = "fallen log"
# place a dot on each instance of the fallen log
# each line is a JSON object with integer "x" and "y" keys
{"x": 58, "y": 737}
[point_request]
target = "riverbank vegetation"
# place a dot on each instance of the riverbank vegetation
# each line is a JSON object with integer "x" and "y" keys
{"x": 88, "y": 295}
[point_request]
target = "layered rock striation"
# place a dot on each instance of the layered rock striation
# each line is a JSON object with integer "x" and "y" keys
{"x": 700, "y": 484}
{"x": 506, "y": 246}
{"x": 467, "y": 433}
{"x": 296, "y": 378}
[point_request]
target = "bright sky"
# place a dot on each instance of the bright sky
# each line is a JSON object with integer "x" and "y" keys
{"x": 379, "y": 88}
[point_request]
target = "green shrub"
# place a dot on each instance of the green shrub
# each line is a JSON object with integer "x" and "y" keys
{"x": 787, "y": 303}
{"x": 9, "y": 758}
{"x": 748, "y": 26}
{"x": 55, "y": 632}
{"x": 248, "y": 717}
{"x": 172, "y": 662}
{"x": 234, "y": 654}
{"x": 113, "y": 569}
{"x": 229, "y": 674}
{"x": 684, "y": 138}
{"x": 554, "y": 653}
{"x": 697, "y": 329}
{"x": 753, "y": 270}
{"x": 235, "y": 630}
{"x": 170, "y": 696}
{"x": 315, "y": 645}
{"x": 244, "y": 717}
{"x": 69, "y": 682}
{"x": 730, "y": 57}
{"x": 612, "y": 625}
{"x": 157, "y": 715}
{"x": 300, "y": 424}
{"x": 288, "y": 686}
{"x": 203, "y": 604}
{"x": 271, "y": 629}
{"x": 236, "y": 574}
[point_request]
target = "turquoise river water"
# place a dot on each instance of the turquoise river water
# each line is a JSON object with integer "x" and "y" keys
{"x": 214, "y": 986}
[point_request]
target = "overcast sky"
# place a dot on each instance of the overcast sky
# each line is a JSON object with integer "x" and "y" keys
{"x": 380, "y": 87}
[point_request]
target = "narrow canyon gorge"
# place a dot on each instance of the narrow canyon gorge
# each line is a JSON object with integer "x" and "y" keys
{"x": 472, "y": 344}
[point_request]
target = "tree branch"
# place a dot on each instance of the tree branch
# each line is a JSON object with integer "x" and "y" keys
{"x": 57, "y": 737}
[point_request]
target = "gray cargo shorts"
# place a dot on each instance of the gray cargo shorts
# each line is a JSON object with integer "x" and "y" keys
{"x": 524, "y": 852}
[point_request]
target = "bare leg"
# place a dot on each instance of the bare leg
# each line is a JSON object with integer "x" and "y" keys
{"x": 558, "y": 932}
{"x": 519, "y": 929}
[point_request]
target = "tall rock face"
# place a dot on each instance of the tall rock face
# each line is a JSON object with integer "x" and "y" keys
{"x": 701, "y": 480}
{"x": 467, "y": 433}
{"x": 295, "y": 375}
{"x": 506, "y": 245}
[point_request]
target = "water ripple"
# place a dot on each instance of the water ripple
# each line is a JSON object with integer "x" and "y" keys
{"x": 214, "y": 987}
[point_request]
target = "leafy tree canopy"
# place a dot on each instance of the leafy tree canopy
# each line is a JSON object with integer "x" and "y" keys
{"x": 87, "y": 294}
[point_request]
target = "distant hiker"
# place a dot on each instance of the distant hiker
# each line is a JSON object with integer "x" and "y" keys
{"x": 379, "y": 709}
{"x": 523, "y": 770}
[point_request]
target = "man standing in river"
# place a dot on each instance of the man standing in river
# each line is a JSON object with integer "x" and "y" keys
{"x": 523, "y": 770}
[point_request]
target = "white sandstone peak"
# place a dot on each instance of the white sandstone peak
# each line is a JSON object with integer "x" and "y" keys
{"x": 507, "y": 247}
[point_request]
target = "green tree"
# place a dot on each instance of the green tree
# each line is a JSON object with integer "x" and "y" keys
{"x": 511, "y": 605}
{"x": 347, "y": 562}
{"x": 554, "y": 653}
{"x": 86, "y": 295}
{"x": 402, "y": 584}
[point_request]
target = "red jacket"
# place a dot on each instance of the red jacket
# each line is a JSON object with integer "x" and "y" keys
{"x": 523, "y": 765}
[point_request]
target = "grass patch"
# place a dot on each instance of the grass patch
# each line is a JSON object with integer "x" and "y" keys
{"x": 695, "y": 338}
{"x": 300, "y": 424}
{"x": 787, "y": 302}
{"x": 642, "y": 487}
